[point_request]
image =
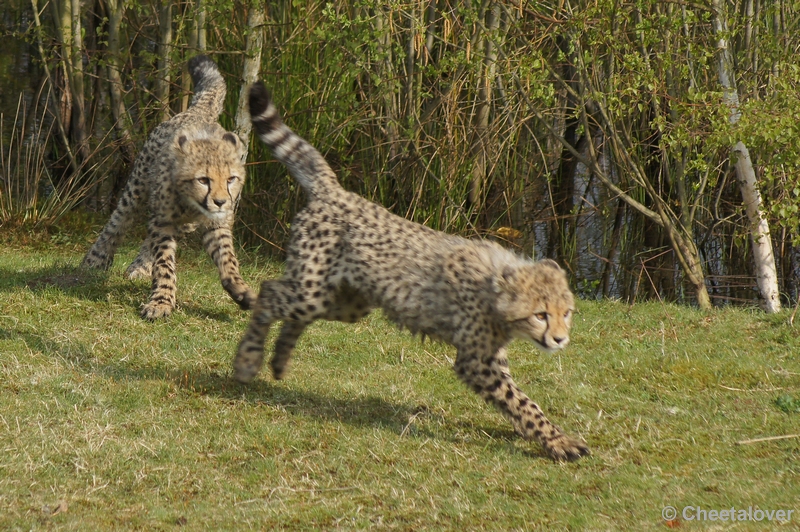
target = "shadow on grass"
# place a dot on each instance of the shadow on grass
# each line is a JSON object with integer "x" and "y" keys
{"x": 198, "y": 311}
{"x": 370, "y": 411}
{"x": 96, "y": 286}
{"x": 92, "y": 285}
{"x": 404, "y": 419}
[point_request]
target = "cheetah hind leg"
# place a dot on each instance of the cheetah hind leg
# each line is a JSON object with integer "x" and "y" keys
{"x": 275, "y": 302}
{"x": 348, "y": 307}
{"x": 491, "y": 380}
{"x": 101, "y": 254}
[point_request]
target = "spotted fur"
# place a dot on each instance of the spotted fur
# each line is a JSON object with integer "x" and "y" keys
{"x": 348, "y": 255}
{"x": 189, "y": 174}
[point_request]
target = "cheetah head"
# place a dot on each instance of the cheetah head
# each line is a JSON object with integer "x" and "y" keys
{"x": 209, "y": 170}
{"x": 536, "y": 303}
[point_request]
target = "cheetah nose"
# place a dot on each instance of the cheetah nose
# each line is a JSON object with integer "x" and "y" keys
{"x": 220, "y": 202}
{"x": 559, "y": 339}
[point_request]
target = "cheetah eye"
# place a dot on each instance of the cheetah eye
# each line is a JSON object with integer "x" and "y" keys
{"x": 205, "y": 181}
{"x": 232, "y": 179}
{"x": 567, "y": 314}
{"x": 541, "y": 316}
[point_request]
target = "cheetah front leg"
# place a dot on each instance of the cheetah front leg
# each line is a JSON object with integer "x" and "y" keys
{"x": 162, "y": 292}
{"x": 284, "y": 346}
{"x": 491, "y": 380}
{"x": 219, "y": 244}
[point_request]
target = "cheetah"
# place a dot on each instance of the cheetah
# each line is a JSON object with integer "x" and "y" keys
{"x": 190, "y": 175}
{"x": 348, "y": 255}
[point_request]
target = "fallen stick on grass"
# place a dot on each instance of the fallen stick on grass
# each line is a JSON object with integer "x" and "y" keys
{"x": 771, "y": 438}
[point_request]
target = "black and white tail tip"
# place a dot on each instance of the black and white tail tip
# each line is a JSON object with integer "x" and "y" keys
{"x": 263, "y": 114}
{"x": 201, "y": 66}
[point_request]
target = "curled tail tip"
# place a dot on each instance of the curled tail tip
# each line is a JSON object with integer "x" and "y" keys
{"x": 201, "y": 66}
{"x": 262, "y": 111}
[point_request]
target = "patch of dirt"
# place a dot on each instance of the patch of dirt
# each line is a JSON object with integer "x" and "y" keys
{"x": 61, "y": 280}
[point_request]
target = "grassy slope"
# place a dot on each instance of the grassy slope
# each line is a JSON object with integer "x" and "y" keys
{"x": 108, "y": 422}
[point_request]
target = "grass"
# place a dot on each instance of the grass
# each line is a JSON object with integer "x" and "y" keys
{"x": 109, "y": 422}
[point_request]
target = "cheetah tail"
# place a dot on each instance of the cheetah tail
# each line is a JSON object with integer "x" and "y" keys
{"x": 209, "y": 85}
{"x": 304, "y": 162}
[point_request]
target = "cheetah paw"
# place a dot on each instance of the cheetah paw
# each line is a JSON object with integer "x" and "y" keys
{"x": 563, "y": 448}
{"x": 153, "y": 311}
{"x": 245, "y": 371}
{"x": 240, "y": 293}
{"x": 139, "y": 269}
{"x": 138, "y": 272}
{"x": 246, "y": 300}
{"x": 96, "y": 262}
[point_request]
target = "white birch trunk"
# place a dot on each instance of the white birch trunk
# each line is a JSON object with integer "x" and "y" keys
{"x": 766, "y": 273}
{"x": 764, "y": 260}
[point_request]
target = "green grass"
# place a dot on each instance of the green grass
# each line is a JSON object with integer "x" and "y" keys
{"x": 109, "y": 422}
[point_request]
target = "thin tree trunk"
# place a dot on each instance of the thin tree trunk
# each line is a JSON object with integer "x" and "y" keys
{"x": 200, "y": 25}
{"x": 764, "y": 260}
{"x": 164, "y": 63}
{"x": 616, "y": 233}
{"x": 122, "y": 121}
{"x": 71, "y": 109}
{"x": 196, "y": 43}
{"x": 410, "y": 63}
{"x": 186, "y": 78}
{"x": 430, "y": 33}
{"x": 386, "y": 71}
{"x": 254, "y": 44}
{"x": 76, "y": 82}
{"x": 482, "y": 107}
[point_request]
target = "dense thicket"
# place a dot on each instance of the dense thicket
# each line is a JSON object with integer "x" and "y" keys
{"x": 596, "y": 133}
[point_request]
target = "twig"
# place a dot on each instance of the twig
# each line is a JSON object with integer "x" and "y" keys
{"x": 743, "y": 390}
{"x": 295, "y": 490}
{"x": 771, "y": 438}
{"x": 794, "y": 312}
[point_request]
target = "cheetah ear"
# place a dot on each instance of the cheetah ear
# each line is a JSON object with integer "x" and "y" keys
{"x": 504, "y": 282}
{"x": 230, "y": 137}
{"x": 182, "y": 144}
{"x": 236, "y": 141}
{"x": 506, "y": 279}
{"x": 551, "y": 263}
{"x": 508, "y": 302}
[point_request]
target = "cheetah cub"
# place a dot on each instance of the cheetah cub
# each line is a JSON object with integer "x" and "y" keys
{"x": 348, "y": 255}
{"x": 189, "y": 174}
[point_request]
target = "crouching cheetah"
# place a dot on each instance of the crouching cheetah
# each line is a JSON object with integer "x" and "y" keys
{"x": 190, "y": 174}
{"x": 348, "y": 255}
